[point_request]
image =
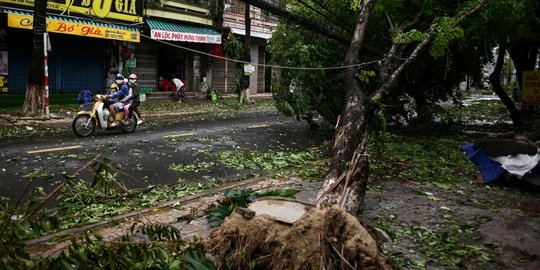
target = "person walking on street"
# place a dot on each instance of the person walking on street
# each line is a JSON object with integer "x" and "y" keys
{"x": 180, "y": 89}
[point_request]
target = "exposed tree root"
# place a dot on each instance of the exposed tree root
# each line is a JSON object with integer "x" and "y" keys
{"x": 323, "y": 239}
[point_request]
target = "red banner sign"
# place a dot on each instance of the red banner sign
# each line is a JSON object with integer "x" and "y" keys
{"x": 187, "y": 37}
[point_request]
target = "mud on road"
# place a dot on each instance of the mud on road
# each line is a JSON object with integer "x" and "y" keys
{"x": 464, "y": 226}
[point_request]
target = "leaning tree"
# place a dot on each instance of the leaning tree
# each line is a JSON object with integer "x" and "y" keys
{"x": 347, "y": 178}
{"x": 388, "y": 37}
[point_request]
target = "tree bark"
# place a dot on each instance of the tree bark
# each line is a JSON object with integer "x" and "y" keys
{"x": 495, "y": 79}
{"x": 35, "y": 90}
{"x": 352, "y": 134}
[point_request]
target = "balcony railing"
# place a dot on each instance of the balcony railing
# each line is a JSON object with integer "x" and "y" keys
{"x": 238, "y": 7}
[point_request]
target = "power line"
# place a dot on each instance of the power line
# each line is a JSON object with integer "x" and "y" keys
{"x": 263, "y": 65}
{"x": 246, "y": 62}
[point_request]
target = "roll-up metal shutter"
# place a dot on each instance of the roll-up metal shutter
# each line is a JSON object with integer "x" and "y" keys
{"x": 146, "y": 69}
{"x": 76, "y": 64}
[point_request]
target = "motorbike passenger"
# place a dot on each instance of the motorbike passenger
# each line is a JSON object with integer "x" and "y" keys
{"x": 122, "y": 93}
{"x": 132, "y": 105}
{"x": 112, "y": 89}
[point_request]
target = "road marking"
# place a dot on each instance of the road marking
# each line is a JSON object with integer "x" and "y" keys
{"x": 258, "y": 126}
{"x": 181, "y": 135}
{"x": 54, "y": 149}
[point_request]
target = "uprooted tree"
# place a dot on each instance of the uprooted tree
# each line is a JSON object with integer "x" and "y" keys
{"x": 402, "y": 32}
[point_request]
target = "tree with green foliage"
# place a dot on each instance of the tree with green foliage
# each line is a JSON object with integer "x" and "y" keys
{"x": 235, "y": 49}
{"x": 238, "y": 50}
{"x": 514, "y": 27}
{"x": 395, "y": 45}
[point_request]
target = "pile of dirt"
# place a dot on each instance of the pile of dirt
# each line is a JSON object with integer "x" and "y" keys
{"x": 322, "y": 239}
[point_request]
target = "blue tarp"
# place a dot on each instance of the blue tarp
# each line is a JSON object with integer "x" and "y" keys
{"x": 489, "y": 168}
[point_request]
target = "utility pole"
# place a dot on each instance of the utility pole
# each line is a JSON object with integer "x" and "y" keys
{"x": 247, "y": 40}
{"x": 244, "y": 96}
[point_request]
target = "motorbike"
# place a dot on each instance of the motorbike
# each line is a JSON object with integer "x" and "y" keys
{"x": 94, "y": 115}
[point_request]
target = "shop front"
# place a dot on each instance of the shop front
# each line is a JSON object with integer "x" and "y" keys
{"x": 180, "y": 51}
{"x": 85, "y": 48}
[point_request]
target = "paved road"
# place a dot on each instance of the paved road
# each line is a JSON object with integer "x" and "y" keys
{"x": 143, "y": 158}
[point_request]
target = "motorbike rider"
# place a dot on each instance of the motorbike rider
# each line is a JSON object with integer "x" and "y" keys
{"x": 119, "y": 80}
{"x": 132, "y": 105}
{"x": 122, "y": 93}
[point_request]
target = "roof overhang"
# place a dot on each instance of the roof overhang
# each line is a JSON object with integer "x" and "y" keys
{"x": 179, "y": 16}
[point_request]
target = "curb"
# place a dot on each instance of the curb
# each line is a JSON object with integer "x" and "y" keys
{"x": 112, "y": 229}
{"x": 142, "y": 211}
{"x": 22, "y": 120}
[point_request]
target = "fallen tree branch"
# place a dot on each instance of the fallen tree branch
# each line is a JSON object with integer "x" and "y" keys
{"x": 58, "y": 188}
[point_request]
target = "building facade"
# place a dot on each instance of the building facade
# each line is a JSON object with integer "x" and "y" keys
{"x": 174, "y": 39}
{"x": 262, "y": 25}
{"x": 86, "y": 42}
{"x": 92, "y": 40}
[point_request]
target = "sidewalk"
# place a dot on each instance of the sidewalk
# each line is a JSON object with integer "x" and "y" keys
{"x": 155, "y": 98}
{"x": 197, "y": 98}
{"x": 172, "y": 213}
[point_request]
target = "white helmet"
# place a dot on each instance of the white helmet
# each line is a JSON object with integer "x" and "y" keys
{"x": 119, "y": 79}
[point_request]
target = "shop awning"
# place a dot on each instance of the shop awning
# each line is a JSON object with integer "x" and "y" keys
{"x": 164, "y": 30}
{"x": 74, "y": 26}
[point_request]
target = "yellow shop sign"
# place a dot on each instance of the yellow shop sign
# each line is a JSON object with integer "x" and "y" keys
{"x": 125, "y": 10}
{"x": 75, "y": 28}
{"x": 531, "y": 87}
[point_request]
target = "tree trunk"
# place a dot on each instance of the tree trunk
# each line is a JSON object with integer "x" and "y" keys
{"x": 524, "y": 55}
{"x": 346, "y": 185}
{"x": 35, "y": 90}
{"x": 495, "y": 79}
{"x": 350, "y": 143}
{"x": 219, "y": 8}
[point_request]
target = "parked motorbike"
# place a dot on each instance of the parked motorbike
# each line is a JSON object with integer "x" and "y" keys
{"x": 94, "y": 115}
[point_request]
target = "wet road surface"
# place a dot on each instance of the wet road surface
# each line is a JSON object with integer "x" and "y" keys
{"x": 144, "y": 157}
